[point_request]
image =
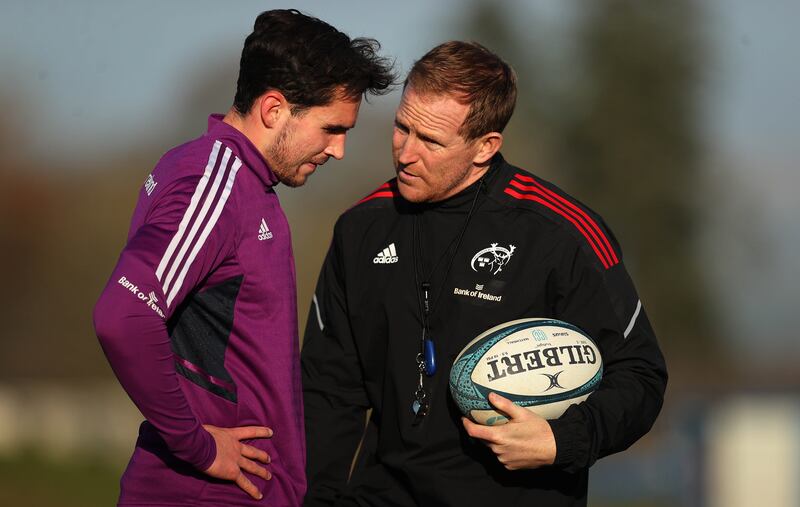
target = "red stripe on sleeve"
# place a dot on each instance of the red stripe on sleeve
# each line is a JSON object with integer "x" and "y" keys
{"x": 605, "y": 244}
{"x": 376, "y": 195}
{"x": 585, "y": 228}
{"x": 551, "y": 206}
{"x": 388, "y": 189}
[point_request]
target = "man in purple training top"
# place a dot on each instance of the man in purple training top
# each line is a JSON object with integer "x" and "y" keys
{"x": 198, "y": 319}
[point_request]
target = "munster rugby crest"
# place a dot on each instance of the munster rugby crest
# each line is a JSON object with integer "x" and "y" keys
{"x": 492, "y": 259}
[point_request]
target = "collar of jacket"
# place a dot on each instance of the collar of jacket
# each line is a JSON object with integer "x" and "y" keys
{"x": 242, "y": 148}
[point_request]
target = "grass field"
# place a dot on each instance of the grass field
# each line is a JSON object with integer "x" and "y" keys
{"x": 28, "y": 479}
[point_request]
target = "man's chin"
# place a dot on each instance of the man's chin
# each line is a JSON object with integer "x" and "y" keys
{"x": 293, "y": 181}
{"x": 299, "y": 175}
{"x": 410, "y": 193}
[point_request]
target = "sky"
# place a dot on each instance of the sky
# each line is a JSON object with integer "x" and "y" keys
{"x": 104, "y": 69}
{"x": 94, "y": 74}
{"x": 756, "y": 84}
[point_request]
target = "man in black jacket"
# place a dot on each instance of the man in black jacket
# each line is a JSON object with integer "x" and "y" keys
{"x": 401, "y": 271}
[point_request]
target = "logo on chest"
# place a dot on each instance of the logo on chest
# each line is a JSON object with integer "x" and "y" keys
{"x": 492, "y": 259}
{"x": 263, "y": 231}
{"x": 387, "y": 256}
{"x": 478, "y": 293}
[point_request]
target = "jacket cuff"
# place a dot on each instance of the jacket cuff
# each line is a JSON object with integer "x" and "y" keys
{"x": 198, "y": 449}
{"x": 572, "y": 444}
{"x": 205, "y": 459}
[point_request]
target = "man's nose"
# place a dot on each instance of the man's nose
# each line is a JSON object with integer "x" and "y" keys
{"x": 407, "y": 153}
{"x": 335, "y": 148}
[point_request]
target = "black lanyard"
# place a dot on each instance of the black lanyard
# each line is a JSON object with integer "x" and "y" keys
{"x": 426, "y": 358}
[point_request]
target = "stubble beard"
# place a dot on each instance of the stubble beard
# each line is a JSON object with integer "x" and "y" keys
{"x": 279, "y": 160}
{"x": 436, "y": 195}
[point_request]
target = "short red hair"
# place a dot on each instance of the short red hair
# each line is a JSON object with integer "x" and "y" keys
{"x": 472, "y": 75}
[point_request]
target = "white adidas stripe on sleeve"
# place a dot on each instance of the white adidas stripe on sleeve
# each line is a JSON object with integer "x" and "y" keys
{"x": 177, "y": 259}
{"x": 198, "y": 221}
{"x": 633, "y": 319}
{"x": 198, "y": 193}
{"x": 226, "y": 192}
{"x": 319, "y": 315}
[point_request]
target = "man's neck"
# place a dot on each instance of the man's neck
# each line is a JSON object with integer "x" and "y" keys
{"x": 242, "y": 124}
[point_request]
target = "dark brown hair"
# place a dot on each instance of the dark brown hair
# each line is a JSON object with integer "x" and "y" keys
{"x": 473, "y": 76}
{"x": 309, "y": 61}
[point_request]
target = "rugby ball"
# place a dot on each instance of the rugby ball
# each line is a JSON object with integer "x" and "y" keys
{"x": 544, "y": 365}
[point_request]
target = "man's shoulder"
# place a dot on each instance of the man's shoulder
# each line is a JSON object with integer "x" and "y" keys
{"x": 204, "y": 161}
{"x": 546, "y": 202}
{"x": 200, "y": 177}
{"x": 194, "y": 158}
{"x": 385, "y": 197}
{"x": 378, "y": 206}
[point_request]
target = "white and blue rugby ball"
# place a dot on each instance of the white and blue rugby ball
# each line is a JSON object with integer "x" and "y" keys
{"x": 544, "y": 365}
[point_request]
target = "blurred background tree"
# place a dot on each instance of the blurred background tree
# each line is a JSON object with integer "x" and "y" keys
{"x": 633, "y": 149}
{"x": 620, "y": 130}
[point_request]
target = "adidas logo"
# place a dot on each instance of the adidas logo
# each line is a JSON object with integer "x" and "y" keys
{"x": 263, "y": 231}
{"x": 387, "y": 256}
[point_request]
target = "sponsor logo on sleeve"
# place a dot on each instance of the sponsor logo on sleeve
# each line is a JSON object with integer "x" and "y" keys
{"x": 148, "y": 299}
{"x": 150, "y": 185}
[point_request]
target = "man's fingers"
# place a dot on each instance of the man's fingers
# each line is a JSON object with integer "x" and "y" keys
{"x": 473, "y": 429}
{"x": 248, "y": 432}
{"x": 254, "y": 468}
{"x": 479, "y": 431}
{"x": 248, "y": 487}
{"x": 508, "y": 407}
{"x": 248, "y": 451}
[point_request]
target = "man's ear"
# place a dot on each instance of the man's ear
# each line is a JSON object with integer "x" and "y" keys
{"x": 488, "y": 145}
{"x": 273, "y": 109}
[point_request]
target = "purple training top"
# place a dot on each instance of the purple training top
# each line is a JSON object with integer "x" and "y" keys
{"x": 199, "y": 323}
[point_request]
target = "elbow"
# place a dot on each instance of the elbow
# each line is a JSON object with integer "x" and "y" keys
{"x": 109, "y": 325}
{"x": 105, "y": 325}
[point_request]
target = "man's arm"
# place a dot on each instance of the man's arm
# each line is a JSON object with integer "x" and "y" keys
{"x": 334, "y": 396}
{"x": 605, "y": 305}
{"x": 155, "y": 272}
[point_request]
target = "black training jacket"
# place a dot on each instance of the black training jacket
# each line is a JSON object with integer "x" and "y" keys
{"x": 532, "y": 251}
